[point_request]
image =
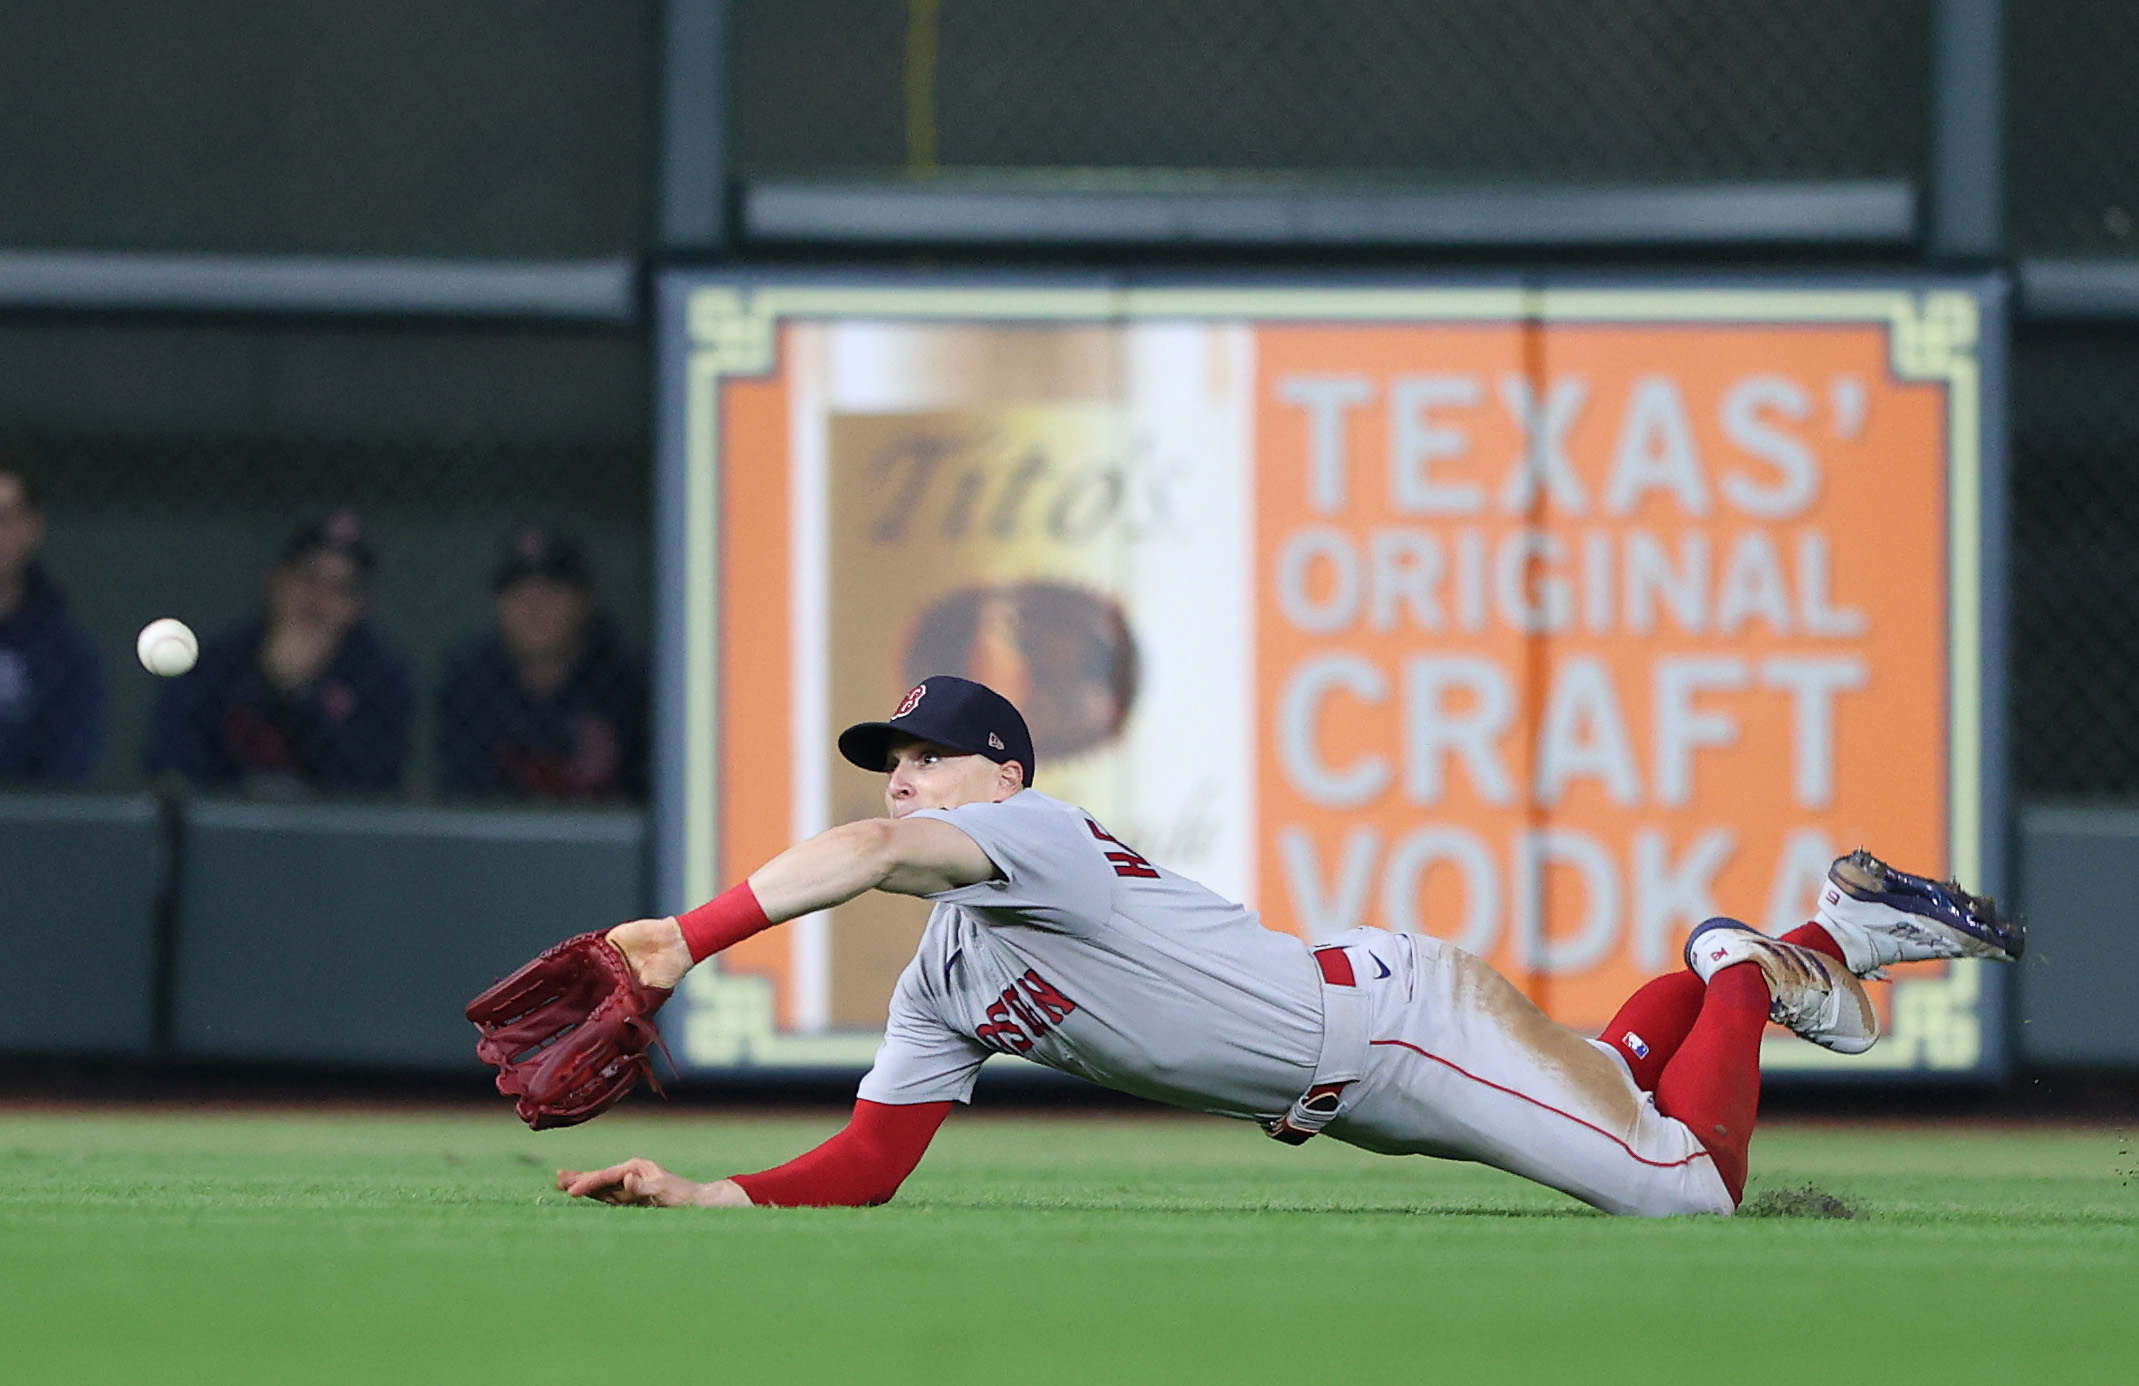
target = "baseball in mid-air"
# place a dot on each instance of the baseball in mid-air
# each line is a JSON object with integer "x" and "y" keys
{"x": 167, "y": 647}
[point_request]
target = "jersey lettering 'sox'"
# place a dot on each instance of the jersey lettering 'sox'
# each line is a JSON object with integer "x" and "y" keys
{"x": 1126, "y": 862}
{"x": 1015, "y": 1020}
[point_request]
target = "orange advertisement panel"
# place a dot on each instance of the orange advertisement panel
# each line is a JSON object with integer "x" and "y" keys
{"x": 1549, "y": 622}
{"x": 1570, "y": 638}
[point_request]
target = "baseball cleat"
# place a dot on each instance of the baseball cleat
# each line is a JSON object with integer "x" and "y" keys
{"x": 1879, "y": 915}
{"x": 1815, "y": 996}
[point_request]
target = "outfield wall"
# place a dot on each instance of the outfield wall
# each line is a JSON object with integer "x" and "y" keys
{"x": 287, "y": 933}
{"x": 341, "y": 936}
{"x": 198, "y": 382}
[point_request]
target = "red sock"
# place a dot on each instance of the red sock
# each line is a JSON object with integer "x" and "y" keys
{"x": 1818, "y": 939}
{"x": 1713, "y": 1082}
{"x": 1654, "y": 1022}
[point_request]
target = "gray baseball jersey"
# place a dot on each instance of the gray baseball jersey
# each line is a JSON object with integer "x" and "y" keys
{"x": 1087, "y": 958}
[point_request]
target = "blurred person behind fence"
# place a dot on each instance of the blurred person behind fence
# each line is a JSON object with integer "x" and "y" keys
{"x": 550, "y": 704}
{"x": 51, "y": 678}
{"x": 308, "y": 697}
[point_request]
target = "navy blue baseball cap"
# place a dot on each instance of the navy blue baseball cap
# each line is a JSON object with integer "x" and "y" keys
{"x": 950, "y": 711}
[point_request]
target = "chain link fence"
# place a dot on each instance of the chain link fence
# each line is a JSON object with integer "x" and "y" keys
{"x": 1646, "y": 89}
{"x": 445, "y": 600}
{"x": 478, "y": 128}
{"x": 2075, "y": 564}
{"x": 2073, "y": 190}
{"x": 178, "y": 461}
{"x": 140, "y": 525}
{"x": 2072, "y": 120}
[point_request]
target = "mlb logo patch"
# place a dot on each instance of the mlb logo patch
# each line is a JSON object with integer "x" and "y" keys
{"x": 1635, "y": 1044}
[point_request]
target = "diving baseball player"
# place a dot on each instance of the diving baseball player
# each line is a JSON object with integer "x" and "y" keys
{"x": 1053, "y": 940}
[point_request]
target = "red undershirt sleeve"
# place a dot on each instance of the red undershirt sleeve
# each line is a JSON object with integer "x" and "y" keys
{"x": 861, "y": 1166}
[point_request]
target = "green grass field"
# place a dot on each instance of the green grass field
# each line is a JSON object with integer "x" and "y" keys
{"x": 346, "y": 1247}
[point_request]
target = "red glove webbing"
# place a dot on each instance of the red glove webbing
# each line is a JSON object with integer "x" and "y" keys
{"x": 726, "y": 919}
{"x": 860, "y": 1167}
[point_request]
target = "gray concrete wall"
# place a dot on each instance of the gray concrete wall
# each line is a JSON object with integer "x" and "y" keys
{"x": 2079, "y": 875}
{"x": 353, "y": 935}
{"x": 303, "y": 933}
{"x": 350, "y": 935}
{"x": 78, "y": 879}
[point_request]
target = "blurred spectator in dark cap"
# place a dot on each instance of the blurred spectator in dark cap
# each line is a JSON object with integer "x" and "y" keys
{"x": 549, "y": 705}
{"x": 51, "y": 679}
{"x": 308, "y": 697}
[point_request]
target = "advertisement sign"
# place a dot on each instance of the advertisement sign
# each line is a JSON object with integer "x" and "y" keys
{"x": 1550, "y": 620}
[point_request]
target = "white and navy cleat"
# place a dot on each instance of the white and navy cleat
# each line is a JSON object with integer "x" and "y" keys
{"x": 1878, "y": 915}
{"x": 1811, "y": 993}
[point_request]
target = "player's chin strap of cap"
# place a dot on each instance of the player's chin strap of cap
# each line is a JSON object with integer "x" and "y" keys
{"x": 1344, "y": 1051}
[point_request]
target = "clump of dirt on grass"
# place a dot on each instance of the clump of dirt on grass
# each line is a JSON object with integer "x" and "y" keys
{"x": 1802, "y": 1202}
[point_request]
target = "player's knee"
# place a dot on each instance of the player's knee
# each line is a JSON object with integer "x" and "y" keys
{"x": 1709, "y": 1196}
{"x": 1677, "y": 1193}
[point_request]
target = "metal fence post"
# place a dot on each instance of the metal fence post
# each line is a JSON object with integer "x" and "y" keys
{"x": 693, "y": 196}
{"x": 1966, "y": 221}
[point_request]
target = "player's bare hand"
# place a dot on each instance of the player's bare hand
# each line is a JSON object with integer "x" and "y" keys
{"x": 635, "y": 1183}
{"x": 655, "y": 949}
{"x": 641, "y": 1183}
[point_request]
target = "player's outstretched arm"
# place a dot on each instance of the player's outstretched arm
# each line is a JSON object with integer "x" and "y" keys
{"x": 860, "y": 1167}
{"x": 907, "y": 856}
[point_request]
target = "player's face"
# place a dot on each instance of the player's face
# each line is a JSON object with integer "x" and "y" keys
{"x": 925, "y": 775}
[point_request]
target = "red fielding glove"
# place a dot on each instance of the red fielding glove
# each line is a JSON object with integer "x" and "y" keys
{"x": 862, "y": 1166}
{"x": 569, "y": 1031}
{"x": 723, "y": 921}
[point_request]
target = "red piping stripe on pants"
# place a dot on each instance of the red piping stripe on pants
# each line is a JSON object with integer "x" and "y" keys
{"x": 1458, "y": 1068}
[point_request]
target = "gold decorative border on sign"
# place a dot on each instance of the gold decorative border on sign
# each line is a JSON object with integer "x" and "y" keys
{"x": 733, "y": 331}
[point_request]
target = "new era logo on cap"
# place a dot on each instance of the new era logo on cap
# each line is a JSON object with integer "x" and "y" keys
{"x": 995, "y": 741}
{"x": 912, "y": 700}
